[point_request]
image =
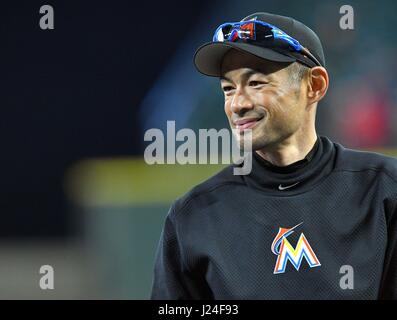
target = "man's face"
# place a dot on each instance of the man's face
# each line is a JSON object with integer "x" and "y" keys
{"x": 262, "y": 96}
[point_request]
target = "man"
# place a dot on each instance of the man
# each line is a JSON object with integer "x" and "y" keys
{"x": 312, "y": 220}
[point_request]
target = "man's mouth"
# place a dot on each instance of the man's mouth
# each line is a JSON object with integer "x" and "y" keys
{"x": 247, "y": 123}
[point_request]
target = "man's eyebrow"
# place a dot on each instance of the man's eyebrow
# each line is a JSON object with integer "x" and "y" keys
{"x": 245, "y": 75}
{"x": 250, "y": 73}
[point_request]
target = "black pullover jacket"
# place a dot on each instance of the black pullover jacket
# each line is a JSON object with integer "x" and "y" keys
{"x": 324, "y": 227}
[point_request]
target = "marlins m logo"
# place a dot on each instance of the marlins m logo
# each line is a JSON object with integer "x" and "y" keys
{"x": 284, "y": 251}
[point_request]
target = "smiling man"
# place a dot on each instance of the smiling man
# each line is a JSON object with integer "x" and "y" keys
{"x": 313, "y": 219}
{"x": 273, "y": 100}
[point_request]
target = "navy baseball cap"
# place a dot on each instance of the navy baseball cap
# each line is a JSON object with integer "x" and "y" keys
{"x": 208, "y": 58}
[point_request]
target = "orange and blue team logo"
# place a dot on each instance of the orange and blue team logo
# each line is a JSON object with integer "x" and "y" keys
{"x": 284, "y": 251}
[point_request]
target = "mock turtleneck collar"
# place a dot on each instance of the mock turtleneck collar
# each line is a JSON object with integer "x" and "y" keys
{"x": 293, "y": 166}
{"x": 298, "y": 176}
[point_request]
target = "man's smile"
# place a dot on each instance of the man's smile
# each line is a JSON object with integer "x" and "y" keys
{"x": 247, "y": 123}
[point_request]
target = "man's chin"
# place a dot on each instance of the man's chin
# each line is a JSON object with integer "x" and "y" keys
{"x": 257, "y": 140}
{"x": 252, "y": 144}
{"x": 260, "y": 143}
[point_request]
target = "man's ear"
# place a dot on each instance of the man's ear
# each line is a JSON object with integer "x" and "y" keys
{"x": 317, "y": 84}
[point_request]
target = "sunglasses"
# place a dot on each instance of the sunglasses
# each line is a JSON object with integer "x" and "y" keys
{"x": 267, "y": 35}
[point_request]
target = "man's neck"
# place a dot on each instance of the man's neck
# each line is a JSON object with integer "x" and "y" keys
{"x": 288, "y": 151}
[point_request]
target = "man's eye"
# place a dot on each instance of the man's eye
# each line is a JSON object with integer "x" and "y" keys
{"x": 227, "y": 88}
{"x": 256, "y": 83}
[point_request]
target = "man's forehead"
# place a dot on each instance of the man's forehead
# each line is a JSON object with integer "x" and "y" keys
{"x": 243, "y": 63}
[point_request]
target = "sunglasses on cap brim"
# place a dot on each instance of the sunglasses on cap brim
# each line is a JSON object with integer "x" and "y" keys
{"x": 262, "y": 34}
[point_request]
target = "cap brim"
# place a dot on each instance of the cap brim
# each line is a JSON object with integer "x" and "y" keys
{"x": 208, "y": 58}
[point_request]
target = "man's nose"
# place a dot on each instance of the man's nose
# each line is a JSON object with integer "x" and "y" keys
{"x": 241, "y": 102}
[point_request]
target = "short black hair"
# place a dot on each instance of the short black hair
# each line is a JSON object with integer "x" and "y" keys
{"x": 297, "y": 71}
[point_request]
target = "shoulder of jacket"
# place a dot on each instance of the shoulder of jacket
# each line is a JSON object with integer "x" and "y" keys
{"x": 360, "y": 160}
{"x": 222, "y": 178}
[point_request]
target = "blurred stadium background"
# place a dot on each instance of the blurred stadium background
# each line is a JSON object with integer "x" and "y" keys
{"x": 76, "y": 101}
